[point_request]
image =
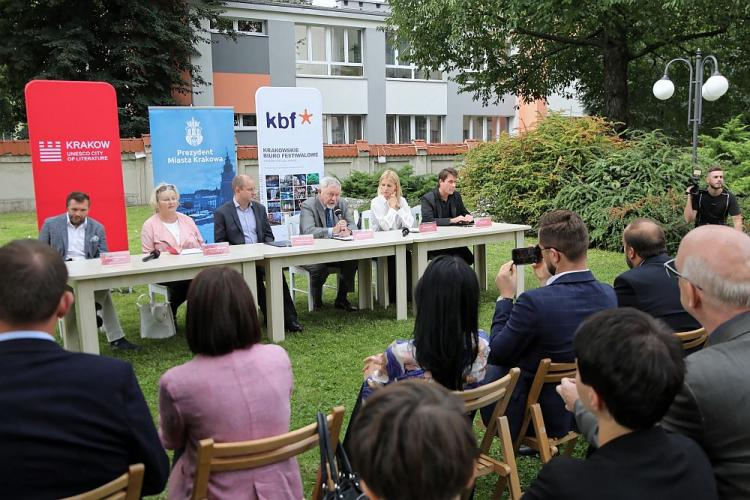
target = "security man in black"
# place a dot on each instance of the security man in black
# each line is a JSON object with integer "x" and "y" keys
{"x": 713, "y": 204}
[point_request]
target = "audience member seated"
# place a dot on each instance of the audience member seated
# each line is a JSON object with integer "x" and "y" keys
{"x": 170, "y": 231}
{"x": 391, "y": 211}
{"x": 444, "y": 206}
{"x": 234, "y": 389}
{"x": 448, "y": 346}
{"x": 327, "y": 215}
{"x": 646, "y": 286}
{"x": 713, "y": 406}
{"x": 242, "y": 220}
{"x": 76, "y": 236}
{"x": 542, "y": 322}
{"x": 414, "y": 441}
{"x": 70, "y": 421}
{"x": 630, "y": 367}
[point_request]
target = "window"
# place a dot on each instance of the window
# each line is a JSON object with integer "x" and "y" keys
{"x": 403, "y": 129}
{"x": 484, "y": 128}
{"x": 342, "y": 129}
{"x": 396, "y": 67}
{"x": 245, "y": 121}
{"x": 242, "y": 26}
{"x": 328, "y": 51}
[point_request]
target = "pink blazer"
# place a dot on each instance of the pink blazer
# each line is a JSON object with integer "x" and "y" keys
{"x": 235, "y": 397}
{"x": 154, "y": 231}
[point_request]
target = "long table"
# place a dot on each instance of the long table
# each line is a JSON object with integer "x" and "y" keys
{"x": 85, "y": 276}
{"x": 383, "y": 244}
{"x": 80, "y": 332}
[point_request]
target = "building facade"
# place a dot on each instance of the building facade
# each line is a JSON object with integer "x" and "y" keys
{"x": 368, "y": 92}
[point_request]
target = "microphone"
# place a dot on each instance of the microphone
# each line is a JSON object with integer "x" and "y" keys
{"x": 405, "y": 232}
{"x": 337, "y": 212}
{"x": 153, "y": 255}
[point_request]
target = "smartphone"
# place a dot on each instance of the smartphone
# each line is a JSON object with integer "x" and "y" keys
{"x": 527, "y": 255}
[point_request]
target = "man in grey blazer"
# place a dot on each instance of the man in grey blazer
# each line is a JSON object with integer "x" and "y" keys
{"x": 713, "y": 407}
{"x": 329, "y": 216}
{"x": 76, "y": 236}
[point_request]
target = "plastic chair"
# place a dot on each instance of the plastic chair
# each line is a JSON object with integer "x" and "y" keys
{"x": 416, "y": 211}
{"x": 292, "y": 225}
{"x": 243, "y": 455}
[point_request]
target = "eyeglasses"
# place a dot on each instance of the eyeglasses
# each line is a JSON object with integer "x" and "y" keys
{"x": 672, "y": 272}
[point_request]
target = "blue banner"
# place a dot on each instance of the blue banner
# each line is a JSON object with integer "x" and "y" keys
{"x": 193, "y": 148}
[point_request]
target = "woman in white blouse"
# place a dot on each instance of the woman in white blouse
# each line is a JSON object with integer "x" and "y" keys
{"x": 389, "y": 209}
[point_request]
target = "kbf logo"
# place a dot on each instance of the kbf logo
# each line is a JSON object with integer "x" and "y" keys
{"x": 282, "y": 121}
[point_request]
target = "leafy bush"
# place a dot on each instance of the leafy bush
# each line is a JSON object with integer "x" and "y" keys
{"x": 515, "y": 179}
{"x": 364, "y": 185}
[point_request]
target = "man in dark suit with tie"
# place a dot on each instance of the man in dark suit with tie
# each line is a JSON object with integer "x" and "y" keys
{"x": 70, "y": 421}
{"x": 646, "y": 286}
{"x": 328, "y": 216}
{"x": 242, "y": 221}
{"x": 630, "y": 367}
{"x": 541, "y": 323}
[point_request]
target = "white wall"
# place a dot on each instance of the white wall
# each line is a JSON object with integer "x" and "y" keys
{"x": 407, "y": 97}
{"x": 341, "y": 96}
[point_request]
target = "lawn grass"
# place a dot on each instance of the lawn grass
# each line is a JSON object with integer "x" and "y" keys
{"x": 326, "y": 357}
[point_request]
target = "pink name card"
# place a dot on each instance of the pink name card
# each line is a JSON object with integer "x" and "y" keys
{"x": 483, "y": 222}
{"x": 427, "y": 227}
{"x": 115, "y": 258}
{"x": 303, "y": 240}
{"x": 363, "y": 235}
{"x": 215, "y": 248}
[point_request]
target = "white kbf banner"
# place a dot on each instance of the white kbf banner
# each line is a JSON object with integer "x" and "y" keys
{"x": 290, "y": 150}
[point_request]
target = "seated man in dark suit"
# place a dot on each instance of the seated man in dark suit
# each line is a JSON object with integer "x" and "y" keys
{"x": 444, "y": 206}
{"x": 630, "y": 368}
{"x": 542, "y": 322}
{"x": 646, "y": 286}
{"x": 328, "y": 216}
{"x": 76, "y": 236}
{"x": 70, "y": 421}
{"x": 242, "y": 221}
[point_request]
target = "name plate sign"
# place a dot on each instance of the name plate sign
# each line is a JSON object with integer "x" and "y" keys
{"x": 303, "y": 240}
{"x": 215, "y": 248}
{"x": 428, "y": 227}
{"x": 363, "y": 235}
{"x": 483, "y": 222}
{"x": 115, "y": 258}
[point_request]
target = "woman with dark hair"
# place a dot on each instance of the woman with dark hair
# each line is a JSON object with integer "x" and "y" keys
{"x": 448, "y": 346}
{"x": 234, "y": 389}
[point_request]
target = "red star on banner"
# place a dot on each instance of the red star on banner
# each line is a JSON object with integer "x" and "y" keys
{"x": 306, "y": 117}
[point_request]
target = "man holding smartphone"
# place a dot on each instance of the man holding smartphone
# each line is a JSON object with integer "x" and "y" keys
{"x": 541, "y": 323}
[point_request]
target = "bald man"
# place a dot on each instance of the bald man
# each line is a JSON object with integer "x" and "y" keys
{"x": 713, "y": 407}
{"x": 645, "y": 286}
{"x": 243, "y": 221}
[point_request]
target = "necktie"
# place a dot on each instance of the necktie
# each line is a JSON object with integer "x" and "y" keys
{"x": 329, "y": 217}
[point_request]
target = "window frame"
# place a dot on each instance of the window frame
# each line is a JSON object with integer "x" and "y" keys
{"x": 328, "y": 128}
{"x": 241, "y": 127}
{"x": 235, "y": 26}
{"x": 412, "y": 128}
{"x": 412, "y": 68}
{"x": 329, "y": 63}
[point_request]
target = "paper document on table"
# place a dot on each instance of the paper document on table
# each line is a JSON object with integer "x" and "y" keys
{"x": 344, "y": 238}
{"x": 189, "y": 251}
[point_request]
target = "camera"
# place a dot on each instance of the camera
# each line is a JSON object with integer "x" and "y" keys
{"x": 526, "y": 255}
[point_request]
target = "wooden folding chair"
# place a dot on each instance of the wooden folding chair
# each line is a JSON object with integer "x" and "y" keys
{"x": 242, "y": 455}
{"x": 547, "y": 373}
{"x": 694, "y": 339}
{"x": 126, "y": 487}
{"x": 497, "y": 392}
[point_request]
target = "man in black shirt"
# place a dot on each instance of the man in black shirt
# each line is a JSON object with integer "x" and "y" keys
{"x": 444, "y": 206}
{"x": 712, "y": 205}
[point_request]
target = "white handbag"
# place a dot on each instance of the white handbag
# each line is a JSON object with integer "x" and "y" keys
{"x": 156, "y": 319}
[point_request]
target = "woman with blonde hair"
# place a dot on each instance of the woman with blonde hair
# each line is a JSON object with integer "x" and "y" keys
{"x": 170, "y": 231}
{"x": 390, "y": 209}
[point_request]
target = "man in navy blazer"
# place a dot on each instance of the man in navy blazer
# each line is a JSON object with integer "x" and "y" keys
{"x": 646, "y": 286}
{"x": 242, "y": 221}
{"x": 70, "y": 421}
{"x": 541, "y": 323}
{"x": 76, "y": 236}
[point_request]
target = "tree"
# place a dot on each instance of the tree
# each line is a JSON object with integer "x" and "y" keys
{"x": 141, "y": 47}
{"x": 533, "y": 49}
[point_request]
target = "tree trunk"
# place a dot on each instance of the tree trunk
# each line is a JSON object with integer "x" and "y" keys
{"x": 615, "y": 105}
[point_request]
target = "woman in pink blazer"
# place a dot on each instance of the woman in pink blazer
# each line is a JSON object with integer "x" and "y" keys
{"x": 170, "y": 231}
{"x": 234, "y": 389}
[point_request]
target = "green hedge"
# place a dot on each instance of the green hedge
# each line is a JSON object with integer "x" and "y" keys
{"x": 364, "y": 185}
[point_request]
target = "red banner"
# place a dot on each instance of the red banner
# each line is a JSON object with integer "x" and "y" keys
{"x": 75, "y": 146}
